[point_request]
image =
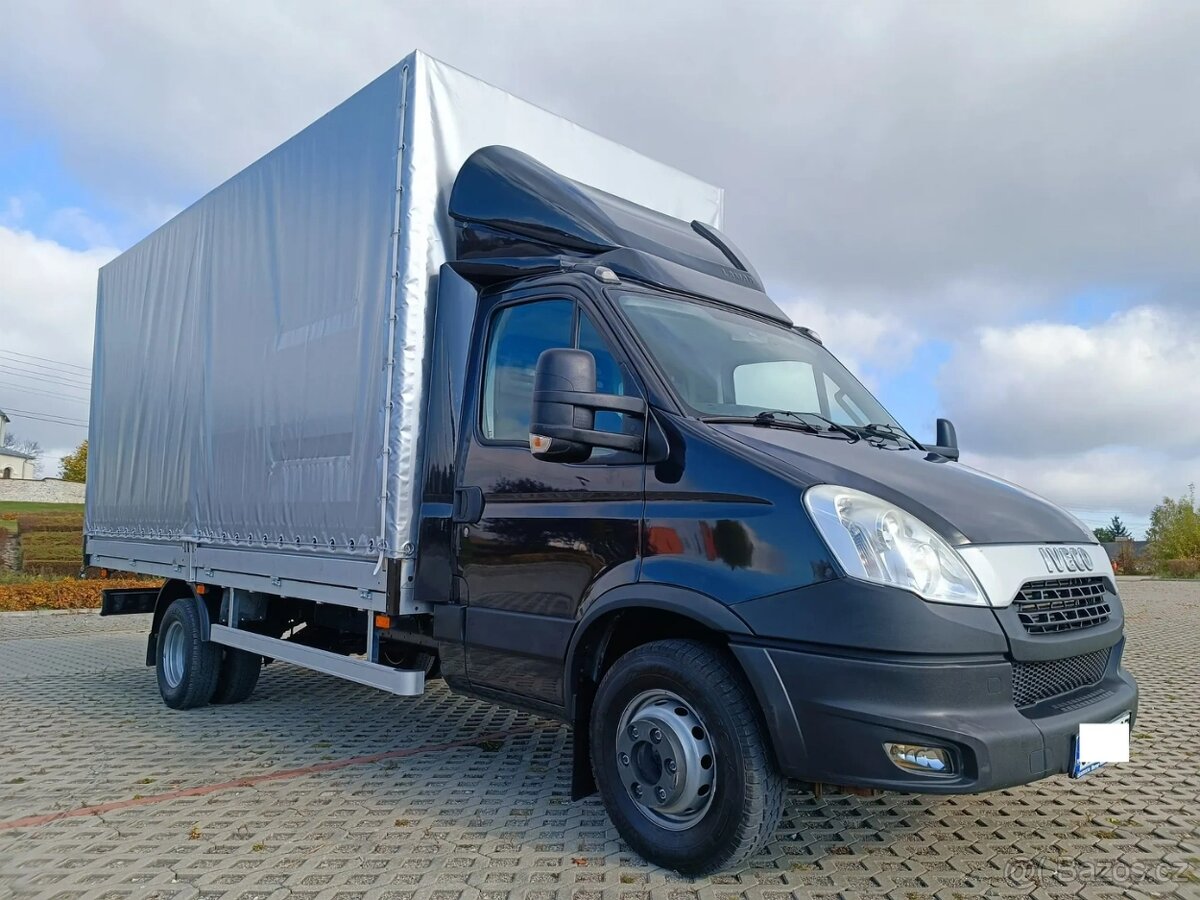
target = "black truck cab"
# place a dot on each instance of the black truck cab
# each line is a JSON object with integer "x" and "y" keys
{"x": 650, "y": 455}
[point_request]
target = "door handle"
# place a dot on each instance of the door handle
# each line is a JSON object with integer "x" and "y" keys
{"x": 468, "y": 505}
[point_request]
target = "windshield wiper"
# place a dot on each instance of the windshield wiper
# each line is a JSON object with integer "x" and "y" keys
{"x": 889, "y": 432}
{"x": 795, "y": 420}
{"x": 830, "y": 425}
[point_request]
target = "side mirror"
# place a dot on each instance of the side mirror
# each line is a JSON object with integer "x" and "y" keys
{"x": 563, "y": 422}
{"x": 947, "y": 439}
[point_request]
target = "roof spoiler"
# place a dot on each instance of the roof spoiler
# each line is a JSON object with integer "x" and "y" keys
{"x": 507, "y": 205}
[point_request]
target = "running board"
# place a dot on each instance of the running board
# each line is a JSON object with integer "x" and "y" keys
{"x": 405, "y": 682}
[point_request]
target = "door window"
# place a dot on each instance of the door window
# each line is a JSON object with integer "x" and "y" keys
{"x": 519, "y": 335}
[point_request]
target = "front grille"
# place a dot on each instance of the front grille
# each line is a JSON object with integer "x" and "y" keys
{"x": 1036, "y": 681}
{"x": 1063, "y": 604}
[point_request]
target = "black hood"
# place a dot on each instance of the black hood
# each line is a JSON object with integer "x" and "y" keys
{"x": 963, "y": 505}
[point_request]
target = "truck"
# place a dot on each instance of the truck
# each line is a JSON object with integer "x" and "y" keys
{"x": 448, "y": 387}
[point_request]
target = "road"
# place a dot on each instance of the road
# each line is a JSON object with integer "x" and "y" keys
{"x": 315, "y": 788}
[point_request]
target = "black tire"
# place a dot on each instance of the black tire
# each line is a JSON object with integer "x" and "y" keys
{"x": 747, "y": 792}
{"x": 407, "y": 656}
{"x": 238, "y": 676}
{"x": 191, "y": 679}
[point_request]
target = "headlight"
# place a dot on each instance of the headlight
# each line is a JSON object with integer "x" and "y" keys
{"x": 876, "y": 541}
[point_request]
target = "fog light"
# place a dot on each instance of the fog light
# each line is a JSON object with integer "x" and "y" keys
{"x": 915, "y": 758}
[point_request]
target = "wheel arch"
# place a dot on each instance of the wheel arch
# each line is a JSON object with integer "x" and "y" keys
{"x": 171, "y": 591}
{"x": 617, "y": 622}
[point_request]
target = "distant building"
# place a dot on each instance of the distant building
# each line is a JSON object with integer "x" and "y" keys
{"x": 13, "y": 463}
{"x": 1135, "y": 549}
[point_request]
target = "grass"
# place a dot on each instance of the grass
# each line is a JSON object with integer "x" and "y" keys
{"x": 8, "y": 576}
{"x": 16, "y": 506}
{"x": 69, "y": 515}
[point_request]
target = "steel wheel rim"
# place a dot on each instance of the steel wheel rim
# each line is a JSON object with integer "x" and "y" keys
{"x": 665, "y": 759}
{"x": 174, "y": 655}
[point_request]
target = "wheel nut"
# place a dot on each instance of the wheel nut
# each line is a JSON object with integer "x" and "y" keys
{"x": 624, "y": 758}
{"x": 634, "y": 732}
{"x": 661, "y": 795}
{"x": 655, "y": 735}
{"x": 637, "y": 790}
{"x": 671, "y": 767}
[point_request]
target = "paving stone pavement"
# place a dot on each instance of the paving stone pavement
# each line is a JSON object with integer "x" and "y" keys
{"x": 459, "y": 800}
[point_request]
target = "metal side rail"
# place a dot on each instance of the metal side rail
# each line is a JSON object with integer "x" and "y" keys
{"x": 405, "y": 682}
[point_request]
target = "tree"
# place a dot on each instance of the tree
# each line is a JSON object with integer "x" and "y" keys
{"x": 74, "y": 465}
{"x": 1114, "y": 530}
{"x": 12, "y": 442}
{"x": 1174, "y": 531}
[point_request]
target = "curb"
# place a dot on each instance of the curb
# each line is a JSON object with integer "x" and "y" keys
{"x": 84, "y": 611}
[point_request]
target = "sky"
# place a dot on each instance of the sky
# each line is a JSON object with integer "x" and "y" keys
{"x": 989, "y": 211}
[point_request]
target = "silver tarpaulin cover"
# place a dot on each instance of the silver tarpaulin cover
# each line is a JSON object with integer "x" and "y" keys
{"x": 240, "y": 389}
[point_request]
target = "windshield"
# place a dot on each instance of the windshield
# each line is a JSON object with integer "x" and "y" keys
{"x": 725, "y": 363}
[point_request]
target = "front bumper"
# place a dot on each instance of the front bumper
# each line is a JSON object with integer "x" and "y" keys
{"x": 829, "y": 716}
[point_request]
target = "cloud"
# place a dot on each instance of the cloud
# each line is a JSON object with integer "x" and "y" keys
{"x": 1054, "y": 389}
{"x": 905, "y": 173}
{"x": 14, "y": 211}
{"x": 883, "y": 342}
{"x": 76, "y": 226}
{"x": 1095, "y": 484}
{"x": 889, "y": 150}
{"x": 48, "y": 299}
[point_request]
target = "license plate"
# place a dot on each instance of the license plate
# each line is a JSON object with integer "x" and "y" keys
{"x": 1080, "y": 768}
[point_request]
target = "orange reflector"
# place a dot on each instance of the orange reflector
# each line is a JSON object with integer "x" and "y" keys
{"x": 202, "y": 589}
{"x": 383, "y": 621}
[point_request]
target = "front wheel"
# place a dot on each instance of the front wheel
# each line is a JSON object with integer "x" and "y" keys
{"x": 681, "y": 760}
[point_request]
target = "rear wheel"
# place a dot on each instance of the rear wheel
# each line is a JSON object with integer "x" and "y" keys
{"x": 681, "y": 760}
{"x": 187, "y": 665}
{"x": 238, "y": 676}
{"x": 409, "y": 656}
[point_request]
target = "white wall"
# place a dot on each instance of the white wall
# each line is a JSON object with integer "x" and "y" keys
{"x": 47, "y": 490}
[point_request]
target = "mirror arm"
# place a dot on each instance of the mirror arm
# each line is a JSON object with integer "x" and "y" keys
{"x": 633, "y": 406}
{"x": 606, "y": 439}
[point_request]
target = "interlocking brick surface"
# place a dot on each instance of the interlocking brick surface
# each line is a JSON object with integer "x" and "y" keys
{"x": 472, "y": 801}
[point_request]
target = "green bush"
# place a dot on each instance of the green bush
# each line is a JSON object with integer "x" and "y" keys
{"x": 51, "y": 546}
{"x": 50, "y": 554}
{"x": 1182, "y": 568}
{"x": 67, "y": 522}
{"x": 1174, "y": 531}
{"x": 38, "y": 539}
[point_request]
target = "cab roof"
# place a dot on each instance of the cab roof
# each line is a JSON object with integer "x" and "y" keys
{"x": 512, "y": 214}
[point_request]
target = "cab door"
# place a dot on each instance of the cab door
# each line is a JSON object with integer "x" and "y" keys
{"x": 535, "y": 539}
